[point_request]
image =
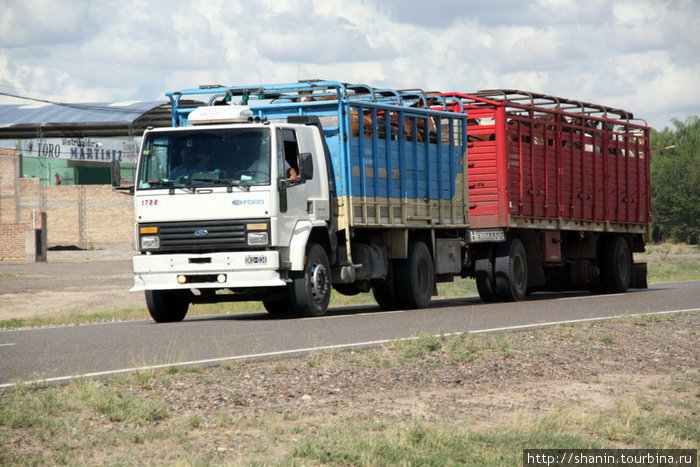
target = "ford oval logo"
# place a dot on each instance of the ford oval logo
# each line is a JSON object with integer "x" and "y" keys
{"x": 201, "y": 233}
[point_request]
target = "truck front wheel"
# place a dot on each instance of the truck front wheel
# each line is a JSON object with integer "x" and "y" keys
{"x": 279, "y": 308}
{"x": 310, "y": 290}
{"x": 167, "y": 306}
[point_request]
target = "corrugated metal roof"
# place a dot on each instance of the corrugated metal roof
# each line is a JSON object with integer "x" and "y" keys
{"x": 98, "y": 112}
{"x": 84, "y": 119}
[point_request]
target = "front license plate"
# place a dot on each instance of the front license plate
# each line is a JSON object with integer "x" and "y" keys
{"x": 256, "y": 259}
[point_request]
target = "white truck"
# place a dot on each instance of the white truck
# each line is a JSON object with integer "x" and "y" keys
{"x": 280, "y": 193}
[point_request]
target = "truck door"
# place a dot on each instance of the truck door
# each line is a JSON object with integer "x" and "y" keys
{"x": 293, "y": 193}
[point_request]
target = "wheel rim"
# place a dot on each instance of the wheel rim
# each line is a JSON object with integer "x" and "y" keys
{"x": 319, "y": 282}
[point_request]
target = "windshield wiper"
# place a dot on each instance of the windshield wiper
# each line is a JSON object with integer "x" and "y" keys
{"x": 223, "y": 181}
{"x": 164, "y": 182}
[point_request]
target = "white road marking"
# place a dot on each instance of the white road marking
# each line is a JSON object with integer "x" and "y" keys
{"x": 336, "y": 347}
{"x": 8, "y": 344}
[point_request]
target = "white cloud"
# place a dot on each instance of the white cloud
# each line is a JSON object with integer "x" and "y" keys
{"x": 638, "y": 55}
{"x": 25, "y": 23}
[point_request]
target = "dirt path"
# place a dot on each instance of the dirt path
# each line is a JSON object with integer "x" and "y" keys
{"x": 69, "y": 281}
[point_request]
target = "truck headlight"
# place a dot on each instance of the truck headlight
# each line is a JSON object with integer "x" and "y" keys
{"x": 150, "y": 242}
{"x": 257, "y": 238}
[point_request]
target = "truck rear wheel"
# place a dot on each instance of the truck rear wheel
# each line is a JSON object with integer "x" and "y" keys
{"x": 485, "y": 279}
{"x": 617, "y": 265}
{"x": 415, "y": 277}
{"x": 310, "y": 290}
{"x": 167, "y": 306}
{"x": 384, "y": 290}
{"x": 511, "y": 270}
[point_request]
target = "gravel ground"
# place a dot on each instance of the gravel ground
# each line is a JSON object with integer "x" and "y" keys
{"x": 501, "y": 373}
{"x": 584, "y": 368}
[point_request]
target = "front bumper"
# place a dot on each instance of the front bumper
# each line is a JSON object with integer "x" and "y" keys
{"x": 241, "y": 269}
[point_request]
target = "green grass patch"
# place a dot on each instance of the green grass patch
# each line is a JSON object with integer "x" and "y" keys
{"x": 459, "y": 348}
{"x": 94, "y": 315}
{"x": 666, "y": 249}
{"x": 673, "y": 270}
{"x": 668, "y": 262}
{"x": 445, "y": 443}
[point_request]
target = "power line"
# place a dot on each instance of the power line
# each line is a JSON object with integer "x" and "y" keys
{"x": 86, "y": 107}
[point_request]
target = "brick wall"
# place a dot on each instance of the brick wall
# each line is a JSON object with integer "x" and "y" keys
{"x": 14, "y": 238}
{"x": 9, "y": 186}
{"x": 86, "y": 216}
{"x": 12, "y": 232}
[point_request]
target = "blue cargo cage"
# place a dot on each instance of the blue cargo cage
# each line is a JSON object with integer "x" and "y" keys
{"x": 383, "y": 143}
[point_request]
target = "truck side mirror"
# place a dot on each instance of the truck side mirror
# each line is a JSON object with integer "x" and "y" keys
{"x": 116, "y": 176}
{"x": 306, "y": 166}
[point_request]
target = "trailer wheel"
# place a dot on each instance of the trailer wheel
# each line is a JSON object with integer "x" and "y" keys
{"x": 617, "y": 265}
{"x": 310, "y": 290}
{"x": 511, "y": 270}
{"x": 415, "y": 277}
{"x": 597, "y": 285}
{"x": 167, "y": 306}
{"x": 485, "y": 278}
{"x": 384, "y": 290}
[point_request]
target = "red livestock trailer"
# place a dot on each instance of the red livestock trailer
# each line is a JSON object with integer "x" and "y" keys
{"x": 565, "y": 183}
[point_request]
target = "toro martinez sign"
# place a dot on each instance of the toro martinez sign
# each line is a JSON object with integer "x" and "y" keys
{"x": 87, "y": 149}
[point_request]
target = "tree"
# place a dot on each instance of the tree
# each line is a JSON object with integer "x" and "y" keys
{"x": 675, "y": 181}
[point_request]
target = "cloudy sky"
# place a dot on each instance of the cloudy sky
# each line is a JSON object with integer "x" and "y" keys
{"x": 639, "y": 55}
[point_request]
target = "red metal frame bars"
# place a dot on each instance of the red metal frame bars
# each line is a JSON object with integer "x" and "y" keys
{"x": 535, "y": 158}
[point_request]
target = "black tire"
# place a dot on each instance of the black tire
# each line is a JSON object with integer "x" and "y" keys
{"x": 415, "y": 277}
{"x": 168, "y": 306}
{"x": 384, "y": 290}
{"x": 597, "y": 285}
{"x": 310, "y": 290}
{"x": 510, "y": 270}
{"x": 617, "y": 265}
{"x": 279, "y": 307}
{"x": 485, "y": 277}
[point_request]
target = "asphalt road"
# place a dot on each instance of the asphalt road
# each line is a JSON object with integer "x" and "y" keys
{"x": 60, "y": 353}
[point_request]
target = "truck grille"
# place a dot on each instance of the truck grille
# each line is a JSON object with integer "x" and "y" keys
{"x": 202, "y": 236}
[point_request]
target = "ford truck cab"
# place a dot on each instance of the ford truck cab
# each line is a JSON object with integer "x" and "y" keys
{"x": 224, "y": 208}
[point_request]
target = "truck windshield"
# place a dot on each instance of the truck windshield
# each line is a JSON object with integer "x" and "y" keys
{"x": 192, "y": 159}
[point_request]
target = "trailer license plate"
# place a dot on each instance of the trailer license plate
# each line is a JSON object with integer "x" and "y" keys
{"x": 256, "y": 259}
{"x": 487, "y": 236}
